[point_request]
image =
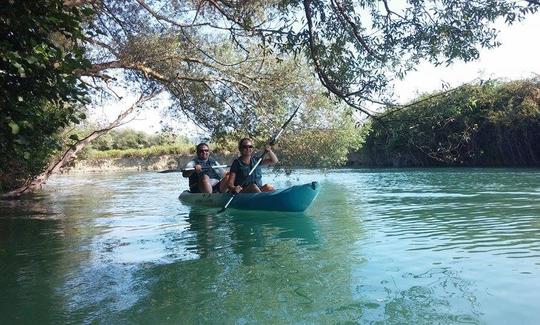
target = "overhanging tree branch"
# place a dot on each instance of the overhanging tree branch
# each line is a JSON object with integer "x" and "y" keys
{"x": 316, "y": 60}
{"x": 353, "y": 28}
{"x": 70, "y": 153}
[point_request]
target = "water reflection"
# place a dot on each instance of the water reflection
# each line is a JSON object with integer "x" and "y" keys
{"x": 32, "y": 243}
{"x": 246, "y": 230}
{"x": 252, "y": 267}
{"x": 252, "y": 231}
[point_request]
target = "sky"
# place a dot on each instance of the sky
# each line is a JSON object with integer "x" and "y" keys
{"x": 518, "y": 57}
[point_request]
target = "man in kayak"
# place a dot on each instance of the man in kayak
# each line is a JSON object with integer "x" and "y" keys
{"x": 205, "y": 178}
{"x": 239, "y": 178}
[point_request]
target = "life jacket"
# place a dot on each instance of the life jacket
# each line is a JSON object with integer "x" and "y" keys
{"x": 194, "y": 177}
{"x": 242, "y": 176}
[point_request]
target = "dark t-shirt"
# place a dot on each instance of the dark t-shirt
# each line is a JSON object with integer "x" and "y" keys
{"x": 242, "y": 172}
{"x": 211, "y": 172}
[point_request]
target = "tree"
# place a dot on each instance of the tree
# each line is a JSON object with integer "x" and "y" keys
{"x": 227, "y": 63}
{"x": 39, "y": 90}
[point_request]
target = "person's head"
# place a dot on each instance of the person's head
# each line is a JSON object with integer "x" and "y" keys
{"x": 245, "y": 146}
{"x": 203, "y": 151}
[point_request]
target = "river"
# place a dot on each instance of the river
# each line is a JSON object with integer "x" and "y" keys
{"x": 381, "y": 246}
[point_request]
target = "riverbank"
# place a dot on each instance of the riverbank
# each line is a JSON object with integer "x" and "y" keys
{"x": 168, "y": 162}
{"x": 178, "y": 161}
{"x": 162, "y": 162}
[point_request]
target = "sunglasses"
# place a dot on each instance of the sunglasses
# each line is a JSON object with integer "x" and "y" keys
{"x": 247, "y": 147}
{"x": 204, "y": 150}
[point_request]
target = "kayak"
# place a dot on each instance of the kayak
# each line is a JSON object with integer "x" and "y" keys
{"x": 293, "y": 199}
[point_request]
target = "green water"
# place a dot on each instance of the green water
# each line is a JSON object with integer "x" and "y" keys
{"x": 438, "y": 246}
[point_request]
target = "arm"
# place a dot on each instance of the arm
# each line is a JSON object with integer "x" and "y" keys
{"x": 271, "y": 157}
{"x": 232, "y": 177}
{"x": 191, "y": 164}
{"x": 230, "y": 182}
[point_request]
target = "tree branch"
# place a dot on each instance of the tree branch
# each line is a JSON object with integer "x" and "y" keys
{"x": 78, "y": 3}
{"x": 70, "y": 153}
{"x": 325, "y": 80}
{"x": 354, "y": 29}
{"x": 167, "y": 19}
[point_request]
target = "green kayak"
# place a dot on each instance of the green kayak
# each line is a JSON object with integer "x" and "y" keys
{"x": 293, "y": 199}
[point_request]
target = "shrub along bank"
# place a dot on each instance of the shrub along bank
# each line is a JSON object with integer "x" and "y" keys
{"x": 487, "y": 124}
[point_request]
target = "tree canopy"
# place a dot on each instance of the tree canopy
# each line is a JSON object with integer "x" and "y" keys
{"x": 216, "y": 57}
{"x": 40, "y": 92}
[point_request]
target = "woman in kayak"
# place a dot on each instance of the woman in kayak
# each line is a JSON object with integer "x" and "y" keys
{"x": 239, "y": 178}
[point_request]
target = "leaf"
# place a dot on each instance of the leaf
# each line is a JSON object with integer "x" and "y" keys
{"x": 14, "y": 127}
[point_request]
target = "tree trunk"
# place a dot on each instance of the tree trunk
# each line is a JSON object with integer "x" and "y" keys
{"x": 70, "y": 153}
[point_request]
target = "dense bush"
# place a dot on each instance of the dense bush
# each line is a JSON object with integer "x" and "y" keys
{"x": 488, "y": 124}
{"x": 320, "y": 148}
{"x": 320, "y": 136}
{"x": 157, "y": 150}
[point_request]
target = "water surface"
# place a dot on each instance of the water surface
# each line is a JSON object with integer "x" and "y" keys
{"x": 447, "y": 246}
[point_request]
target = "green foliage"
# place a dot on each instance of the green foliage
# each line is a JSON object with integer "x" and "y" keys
{"x": 131, "y": 143}
{"x": 124, "y": 139}
{"x": 358, "y": 47}
{"x": 234, "y": 67}
{"x": 153, "y": 151}
{"x": 39, "y": 91}
{"x": 321, "y": 135}
{"x": 492, "y": 123}
{"x": 251, "y": 62}
{"x": 320, "y": 148}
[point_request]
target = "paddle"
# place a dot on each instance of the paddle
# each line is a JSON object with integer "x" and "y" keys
{"x": 271, "y": 143}
{"x": 190, "y": 168}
